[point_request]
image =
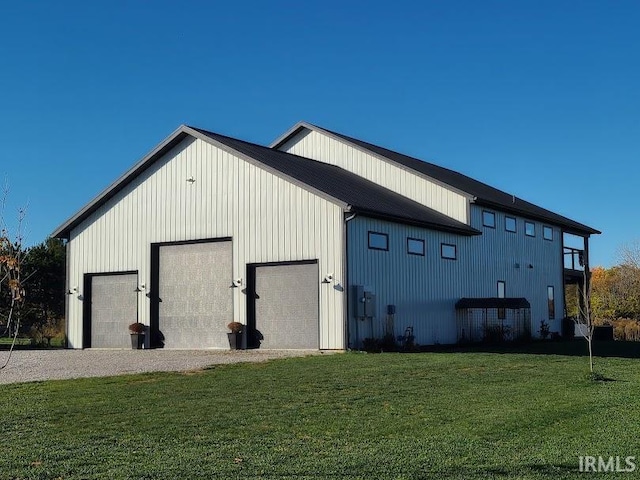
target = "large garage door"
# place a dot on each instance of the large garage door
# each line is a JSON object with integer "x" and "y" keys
{"x": 287, "y": 305}
{"x": 195, "y": 303}
{"x": 114, "y": 306}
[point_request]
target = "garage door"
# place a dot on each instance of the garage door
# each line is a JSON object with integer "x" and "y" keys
{"x": 195, "y": 303}
{"x": 286, "y": 307}
{"x": 114, "y": 306}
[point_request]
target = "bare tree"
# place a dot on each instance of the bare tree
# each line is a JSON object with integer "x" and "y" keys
{"x": 629, "y": 254}
{"x": 584, "y": 319}
{"x": 11, "y": 258}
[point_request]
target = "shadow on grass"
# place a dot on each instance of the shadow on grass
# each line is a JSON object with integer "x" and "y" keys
{"x": 547, "y": 470}
{"x": 576, "y": 347}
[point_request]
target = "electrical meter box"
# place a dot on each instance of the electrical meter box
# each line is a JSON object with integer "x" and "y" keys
{"x": 369, "y": 304}
{"x": 364, "y": 302}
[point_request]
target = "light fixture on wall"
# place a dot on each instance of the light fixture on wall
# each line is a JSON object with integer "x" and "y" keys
{"x": 72, "y": 291}
{"x": 191, "y": 180}
{"x": 530, "y": 266}
{"x": 139, "y": 288}
{"x": 236, "y": 283}
{"x": 328, "y": 278}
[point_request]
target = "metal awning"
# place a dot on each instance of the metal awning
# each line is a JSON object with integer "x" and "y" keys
{"x": 511, "y": 303}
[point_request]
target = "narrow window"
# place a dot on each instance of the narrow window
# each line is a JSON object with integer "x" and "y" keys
{"x": 378, "y": 241}
{"x": 530, "y": 229}
{"x": 415, "y": 246}
{"x": 547, "y": 233}
{"x": 448, "y": 251}
{"x": 510, "y": 224}
{"x": 488, "y": 219}
{"x": 551, "y": 303}
{"x": 502, "y": 312}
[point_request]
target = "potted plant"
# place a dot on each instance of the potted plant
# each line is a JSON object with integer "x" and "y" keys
{"x": 235, "y": 337}
{"x": 137, "y": 330}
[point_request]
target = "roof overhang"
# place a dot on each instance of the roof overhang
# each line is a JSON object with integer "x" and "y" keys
{"x": 462, "y": 229}
{"x": 300, "y": 126}
{"x": 569, "y": 226}
{"x": 167, "y": 144}
{"x": 181, "y": 133}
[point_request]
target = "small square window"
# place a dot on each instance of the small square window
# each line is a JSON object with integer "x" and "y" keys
{"x": 510, "y": 224}
{"x": 488, "y": 219}
{"x": 378, "y": 241}
{"x": 448, "y": 251}
{"x": 415, "y": 246}
{"x": 547, "y": 233}
{"x": 530, "y": 229}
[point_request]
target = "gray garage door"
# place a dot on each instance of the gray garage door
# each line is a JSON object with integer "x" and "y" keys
{"x": 114, "y": 306}
{"x": 196, "y": 301}
{"x": 287, "y": 305}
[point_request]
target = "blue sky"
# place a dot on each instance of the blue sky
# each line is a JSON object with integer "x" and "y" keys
{"x": 538, "y": 98}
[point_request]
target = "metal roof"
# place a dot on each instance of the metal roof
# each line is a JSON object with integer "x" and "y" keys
{"x": 483, "y": 194}
{"x": 350, "y": 191}
{"x": 362, "y": 195}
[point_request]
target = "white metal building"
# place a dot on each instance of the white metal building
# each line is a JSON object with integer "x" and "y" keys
{"x": 320, "y": 241}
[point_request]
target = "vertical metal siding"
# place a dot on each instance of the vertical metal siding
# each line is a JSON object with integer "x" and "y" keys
{"x": 268, "y": 218}
{"x": 425, "y": 289}
{"x": 312, "y": 144}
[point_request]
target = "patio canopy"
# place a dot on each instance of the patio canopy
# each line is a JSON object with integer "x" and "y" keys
{"x": 511, "y": 303}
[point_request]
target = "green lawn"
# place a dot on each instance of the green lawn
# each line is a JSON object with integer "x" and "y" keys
{"x": 428, "y": 415}
{"x": 25, "y": 343}
{"x": 20, "y": 341}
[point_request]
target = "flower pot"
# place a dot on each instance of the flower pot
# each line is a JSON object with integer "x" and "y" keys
{"x": 235, "y": 341}
{"x": 137, "y": 340}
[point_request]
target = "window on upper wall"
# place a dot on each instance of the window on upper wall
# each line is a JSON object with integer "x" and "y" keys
{"x": 378, "y": 241}
{"x": 547, "y": 233}
{"x": 551, "y": 303}
{"x": 415, "y": 246}
{"x": 530, "y": 229}
{"x": 448, "y": 251}
{"x": 488, "y": 219}
{"x": 510, "y": 224}
{"x": 502, "y": 312}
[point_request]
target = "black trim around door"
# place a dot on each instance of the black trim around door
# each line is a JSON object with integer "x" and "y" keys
{"x": 87, "y": 301}
{"x": 156, "y": 340}
{"x": 252, "y": 337}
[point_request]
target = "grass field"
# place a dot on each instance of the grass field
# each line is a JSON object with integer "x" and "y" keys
{"x": 430, "y": 415}
{"x": 23, "y": 343}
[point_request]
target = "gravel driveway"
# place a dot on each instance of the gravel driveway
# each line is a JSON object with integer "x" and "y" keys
{"x": 37, "y": 365}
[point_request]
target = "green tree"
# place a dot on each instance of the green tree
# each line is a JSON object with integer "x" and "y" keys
{"x": 44, "y": 270}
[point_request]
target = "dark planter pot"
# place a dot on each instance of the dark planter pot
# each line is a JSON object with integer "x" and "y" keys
{"x": 235, "y": 341}
{"x": 137, "y": 340}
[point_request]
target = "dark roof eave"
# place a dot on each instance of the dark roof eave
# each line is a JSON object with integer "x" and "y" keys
{"x": 567, "y": 224}
{"x": 462, "y": 230}
{"x": 570, "y": 226}
{"x": 63, "y": 231}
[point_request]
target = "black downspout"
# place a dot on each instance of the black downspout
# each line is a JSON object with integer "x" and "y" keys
{"x": 347, "y": 292}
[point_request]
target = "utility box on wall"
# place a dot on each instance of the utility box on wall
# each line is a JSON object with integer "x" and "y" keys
{"x": 364, "y": 302}
{"x": 369, "y": 304}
